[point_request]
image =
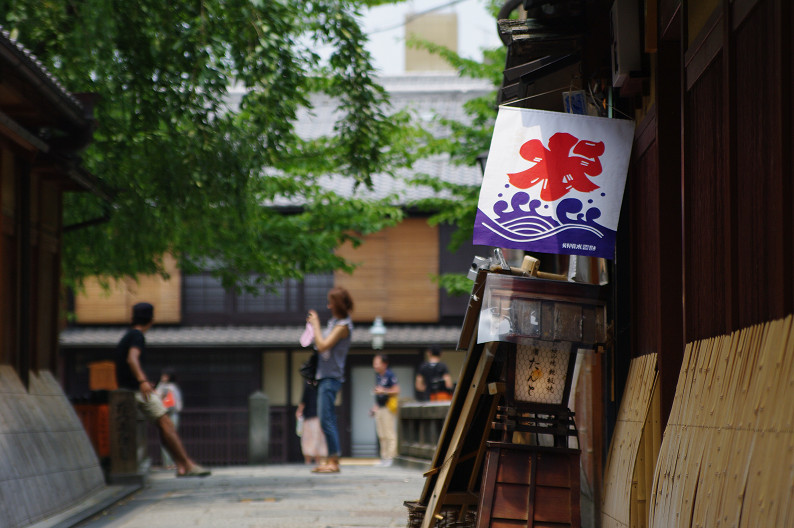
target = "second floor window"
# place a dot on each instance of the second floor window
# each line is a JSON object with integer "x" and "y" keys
{"x": 206, "y": 301}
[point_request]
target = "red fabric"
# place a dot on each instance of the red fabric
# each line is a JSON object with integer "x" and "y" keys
{"x": 169, "y": 400}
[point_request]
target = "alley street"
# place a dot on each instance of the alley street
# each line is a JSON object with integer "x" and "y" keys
{"x": 361, "y": 495}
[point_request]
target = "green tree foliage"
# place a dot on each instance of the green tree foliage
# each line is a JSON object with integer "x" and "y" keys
{"x": 189, "y": 172}
{"x": 456, "y": 204}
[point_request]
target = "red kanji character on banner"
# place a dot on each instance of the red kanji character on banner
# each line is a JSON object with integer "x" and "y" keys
{"x": 557, "y": 168}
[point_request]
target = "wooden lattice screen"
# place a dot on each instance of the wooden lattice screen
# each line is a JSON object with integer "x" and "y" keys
{"x": 727, "y": 458}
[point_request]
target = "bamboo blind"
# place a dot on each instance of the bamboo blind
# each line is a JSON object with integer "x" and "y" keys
{"x": 727, "y": 458}
{"x": 632, "y": 454}
{"x": 394, "y": 273}
{"x": 97, "y": 304}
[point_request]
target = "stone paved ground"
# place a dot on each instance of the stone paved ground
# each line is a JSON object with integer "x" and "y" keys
{"x": 361, "y": 495}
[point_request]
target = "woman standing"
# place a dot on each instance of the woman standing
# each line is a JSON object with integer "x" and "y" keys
{"x": 332, "y": 346}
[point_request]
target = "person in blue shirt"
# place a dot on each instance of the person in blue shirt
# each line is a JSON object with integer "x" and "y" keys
{"x": 386, "y": 388}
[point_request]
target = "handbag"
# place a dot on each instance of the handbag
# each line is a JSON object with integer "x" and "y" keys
{"x": 309, "y": 368}
{"x": 392, "y": 404}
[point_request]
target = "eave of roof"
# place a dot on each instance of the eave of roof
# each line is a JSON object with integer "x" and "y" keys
{"x": 252, "y": 336}
{"x": 34, "y": 72}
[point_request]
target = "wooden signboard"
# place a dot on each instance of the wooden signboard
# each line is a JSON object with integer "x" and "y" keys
{"x": 452, "y": 492}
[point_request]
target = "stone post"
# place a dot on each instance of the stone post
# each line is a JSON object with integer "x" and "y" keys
{"x": 127, "y": 438}
{"x": 258, "y": 428}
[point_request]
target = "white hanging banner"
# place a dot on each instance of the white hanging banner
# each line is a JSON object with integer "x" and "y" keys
{"x": 554, "y": 182}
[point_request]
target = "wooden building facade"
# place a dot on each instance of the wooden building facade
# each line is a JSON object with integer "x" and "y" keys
{"x": 701, "y": 281}
{"x": 47, "y": 464}
{"x": 710, "y": 245}
{"x": 711, "y": 181}
{"x": 224, "y": 345}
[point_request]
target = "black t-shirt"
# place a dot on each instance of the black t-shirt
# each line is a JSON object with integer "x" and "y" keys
{"x": 433, "y": 373}
{"x": 124, "y": 376}
{"x": 309, "y": 400}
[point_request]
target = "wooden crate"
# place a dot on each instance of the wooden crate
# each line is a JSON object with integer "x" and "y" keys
{"x": 102, "y": 376}
{"x": 529, "y": 486}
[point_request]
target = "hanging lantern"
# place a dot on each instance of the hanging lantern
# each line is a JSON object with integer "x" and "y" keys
{"x": 378, "y": 332}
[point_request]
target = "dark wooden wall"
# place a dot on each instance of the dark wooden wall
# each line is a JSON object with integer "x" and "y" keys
{"x": 645, "y": 225}
{"x": 710, "y": 189}
{"x": 737, "y": 171}
{"x": 30, "y": 221}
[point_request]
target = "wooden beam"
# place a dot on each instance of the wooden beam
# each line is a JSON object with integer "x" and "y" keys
{"x": 475, "y": 390}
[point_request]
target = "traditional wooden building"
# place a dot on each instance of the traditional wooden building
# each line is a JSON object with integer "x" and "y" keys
{"x": 226, "y": 345}
{"x": 684, "y": 420}
{"x": 709, "y": 249}
{"x": 702, "y": 296}
{"x": 47, "y": 463}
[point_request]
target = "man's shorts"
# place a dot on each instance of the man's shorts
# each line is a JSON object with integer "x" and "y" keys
{"x": 152, "y": 409}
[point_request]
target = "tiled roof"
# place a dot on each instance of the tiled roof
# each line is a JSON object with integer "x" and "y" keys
{"x": 440, "y": 167}
{"x": 429, "y": 97}
{"x": 253, "y": 336}
{"x": 36, "y": 68}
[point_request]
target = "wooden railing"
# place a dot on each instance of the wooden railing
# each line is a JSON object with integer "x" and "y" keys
{"x": 420, "y": 428}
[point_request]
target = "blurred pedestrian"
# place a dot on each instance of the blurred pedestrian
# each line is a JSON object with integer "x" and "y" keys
{"x": 169, "y": 392}
{"x": 387, "y": 390}
{"x": 130, "y": 355}
{"x": 332, "y": 344}
{"x": 433, "y": 381}
{"x": 313, "y": 444}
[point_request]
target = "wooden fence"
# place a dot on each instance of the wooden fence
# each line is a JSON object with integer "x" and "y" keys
{"x": 420, "y": 428}
{"x": 219, "y": 436}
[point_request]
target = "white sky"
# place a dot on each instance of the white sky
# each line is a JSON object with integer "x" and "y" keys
{"x": 384, "y": 25}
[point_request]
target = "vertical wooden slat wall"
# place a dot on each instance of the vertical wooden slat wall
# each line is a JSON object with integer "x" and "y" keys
{"x": 707, "y": 255}
{"x": 8, "y": 255}
{"x": 630, "y": 463}
{"x": 764, "y": 255}
{"x": 726, "y": 458}
{"x": 736, "y": 226}
{"x": 47, "y": 224}
{"x": 737, "y": 186}
{"x": 646, "y": 260}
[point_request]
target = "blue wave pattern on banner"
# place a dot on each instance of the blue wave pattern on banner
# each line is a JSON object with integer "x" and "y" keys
{"x": 576, "y": 232}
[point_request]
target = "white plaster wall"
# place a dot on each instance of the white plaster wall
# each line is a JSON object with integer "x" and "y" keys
{"x": 47, "y": 463}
